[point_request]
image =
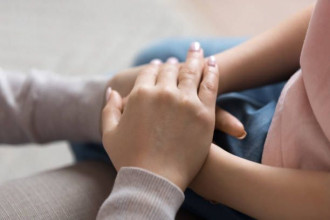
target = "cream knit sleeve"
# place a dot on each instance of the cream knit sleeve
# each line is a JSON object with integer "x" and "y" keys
{"x": 41, "y": 107}
{"x": 140, "y": 194}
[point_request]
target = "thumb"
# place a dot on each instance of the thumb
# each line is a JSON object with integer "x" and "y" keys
{"x": 112, "y": 111}
{"x": 226, "y": 122}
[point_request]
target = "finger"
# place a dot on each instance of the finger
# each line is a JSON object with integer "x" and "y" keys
{"x": 208, "y": 88}
{"x": 191, "y": 71}
{"x": 226, "y": 122}
{"x": 168, "y": 73}
{"x": 112, "y": 111}
{"x": 148, "y": 74}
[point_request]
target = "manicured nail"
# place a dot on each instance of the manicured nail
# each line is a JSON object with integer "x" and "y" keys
{"x": 211, "y": 61}
{"x": 156, "y": 61}
{"x": 172, "y": 60}
{"x": 108, "y": 93}
{"x": 242, "y": 136}
{"x": 195, "y": 46}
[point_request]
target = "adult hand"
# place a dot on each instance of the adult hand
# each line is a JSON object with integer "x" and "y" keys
{"x": 168, "y": 121}
{"x": 123, "y": 82}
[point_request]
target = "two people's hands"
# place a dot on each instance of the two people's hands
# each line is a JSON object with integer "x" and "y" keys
{"x": 123, "y": 83}
{"x": 167, "y": 124}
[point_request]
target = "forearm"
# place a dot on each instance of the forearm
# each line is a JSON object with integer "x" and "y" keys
{"x": 42, "y": 107}
{"x": 267, "y": 58}
{"x": 261, "y": 191}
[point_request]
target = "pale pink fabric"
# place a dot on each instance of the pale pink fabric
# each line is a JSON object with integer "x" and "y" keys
{"x": 299, "y": 136}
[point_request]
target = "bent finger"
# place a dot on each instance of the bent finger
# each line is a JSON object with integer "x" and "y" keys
{"x": 208, "y": 88}
{"x": 148, "y": 74}
{"x": 168, "y": 73}
{"x": 112, "y": 111}
{"x": 229, "y": 124}
{"x": 191, "y": 71}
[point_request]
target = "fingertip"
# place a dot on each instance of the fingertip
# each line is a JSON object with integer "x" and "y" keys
{"x": 156, "y": 62}
{"x": 172, "y": 60}
{"x": 112, "y": 112}
{"x": 240, "y": 130}
{"x": 211, "y": 61}
{"x": 107, "y": 94}
{"x": 195, "y": 46}
{"x": 116, "y": 99}
{"x": 195, "y": 50}
{"x": 229, "y": 124}
{"x": 242, "y": 136}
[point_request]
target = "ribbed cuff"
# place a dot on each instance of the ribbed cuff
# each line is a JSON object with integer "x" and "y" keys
{"x": 140, "y": 194}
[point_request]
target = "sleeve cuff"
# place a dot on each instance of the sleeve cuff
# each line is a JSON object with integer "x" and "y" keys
{"x": 144, "y": 195}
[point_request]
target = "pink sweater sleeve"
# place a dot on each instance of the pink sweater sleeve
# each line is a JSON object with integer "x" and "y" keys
{"x": 42, "y": 107}
{"x": 140, "y": 194}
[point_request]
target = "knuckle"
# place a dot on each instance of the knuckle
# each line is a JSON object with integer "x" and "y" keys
{"x": 209, "y": 85}
{"x": 205, "y": 117}
{"x": 148, "y": 70}
{"x": 142, "y": 91}
{"x": 170, "y": 68}
{"x": 187, "y": 72}
{"x": 166, "y": 93}
{"x": 194, "y": 55}
{"x": 188, "y": 102}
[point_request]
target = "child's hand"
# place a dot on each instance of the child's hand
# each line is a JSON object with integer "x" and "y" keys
{"x": 229, "y": 124}
{"x": 168, "y": 121}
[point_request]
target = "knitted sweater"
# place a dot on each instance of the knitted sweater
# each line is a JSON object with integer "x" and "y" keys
{"x": 42, "y": 107}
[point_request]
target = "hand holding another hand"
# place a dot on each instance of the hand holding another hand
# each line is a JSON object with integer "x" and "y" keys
{"x": 123, "y": 83}
{"x": 168, "y": 121}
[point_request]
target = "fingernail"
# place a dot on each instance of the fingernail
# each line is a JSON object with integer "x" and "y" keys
{"x": 108, "y": 93}
{"x": 211, "y": 61}
{"x": 172, "y": 60}
{"x": 156, "y": 61}
{"x": 242, "y": 136}
{"x": 195, "y": 46}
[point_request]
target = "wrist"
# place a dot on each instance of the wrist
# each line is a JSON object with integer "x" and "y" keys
{"x": 171, "y": 175}
{"x": 224, "y": 72}
{"x": 177, "y": 181}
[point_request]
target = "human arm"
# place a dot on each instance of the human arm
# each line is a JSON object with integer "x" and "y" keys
{"x": 261, "y": 191}
{"x": 267, "y": 58}
{"x": 270, "y": 57}
{"x": 42, "y": 107}
{"x": 165, "y": 119}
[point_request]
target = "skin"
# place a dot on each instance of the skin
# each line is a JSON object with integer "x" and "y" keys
{"x": 123, "y": 82}
{"x": 258, "y": 190}
{"x": 175, "y": 109}
{"x": 251, "y": 64}
{"x": 261, "y": 191}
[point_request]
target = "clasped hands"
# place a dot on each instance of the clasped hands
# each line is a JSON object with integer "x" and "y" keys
{"x": 166, "y": 124}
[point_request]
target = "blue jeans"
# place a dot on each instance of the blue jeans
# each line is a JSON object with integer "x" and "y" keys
{"x": 254, "y": 108}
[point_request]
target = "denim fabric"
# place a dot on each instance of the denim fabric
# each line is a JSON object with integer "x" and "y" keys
{"x": 254, "y": 108}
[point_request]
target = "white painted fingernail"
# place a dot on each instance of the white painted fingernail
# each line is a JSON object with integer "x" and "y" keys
{"x": 211, "y": 61}
{"x": 172, "y": 60}
{"x": 107, "y": 94}
{"x": 156, "y": 61}
{"x": 195, "y": 46}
